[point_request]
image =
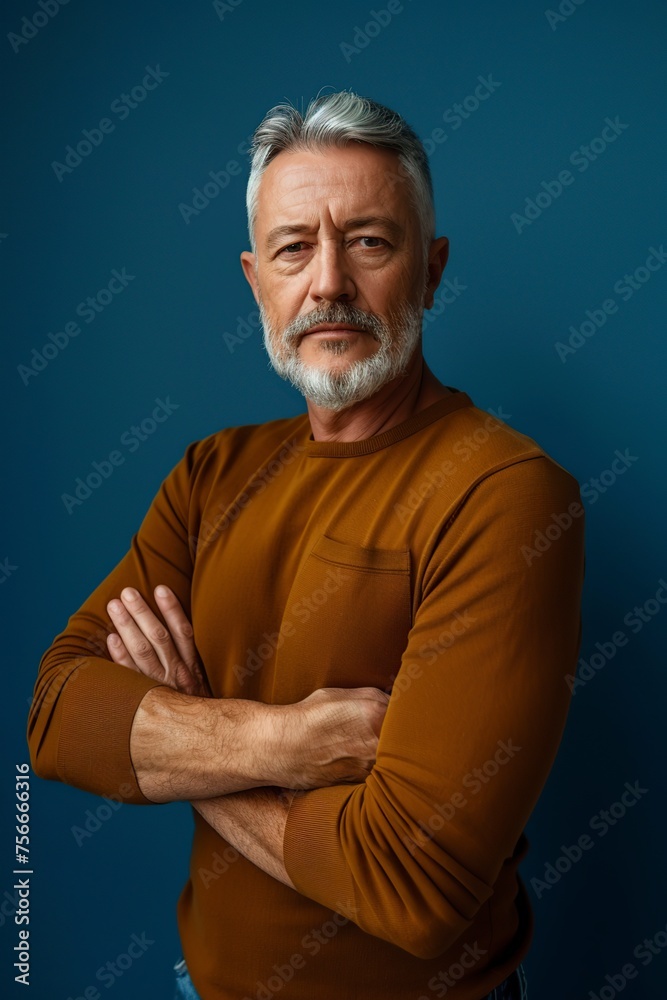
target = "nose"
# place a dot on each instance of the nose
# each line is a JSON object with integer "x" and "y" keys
{"x": 330, "y": 277}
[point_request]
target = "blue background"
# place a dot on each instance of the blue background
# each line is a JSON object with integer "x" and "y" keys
{"x": 164, "y": 335}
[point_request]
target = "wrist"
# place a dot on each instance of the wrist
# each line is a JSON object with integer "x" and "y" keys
{"x": 274, "y": 744}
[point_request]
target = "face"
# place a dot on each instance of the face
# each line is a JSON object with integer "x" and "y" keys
{"x": 339, "y": 249}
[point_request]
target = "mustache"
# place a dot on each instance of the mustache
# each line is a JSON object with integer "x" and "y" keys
{"x": 340, "y": 312}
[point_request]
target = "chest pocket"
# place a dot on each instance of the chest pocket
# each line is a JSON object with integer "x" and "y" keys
{"x": 346, "y": 621}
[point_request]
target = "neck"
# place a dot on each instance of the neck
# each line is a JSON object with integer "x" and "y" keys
{"x": 390, "y": 405}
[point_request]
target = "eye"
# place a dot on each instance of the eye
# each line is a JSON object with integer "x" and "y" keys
{"x": 290, "y": 247}
{"x": 378, "y": 241}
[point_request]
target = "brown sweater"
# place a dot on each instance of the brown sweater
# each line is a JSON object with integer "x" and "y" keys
{"x": 442, "y": 560}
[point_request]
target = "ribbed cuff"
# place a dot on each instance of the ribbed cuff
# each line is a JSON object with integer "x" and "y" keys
{"x": 312, "y": 847}
{"x": 100, "y": 700}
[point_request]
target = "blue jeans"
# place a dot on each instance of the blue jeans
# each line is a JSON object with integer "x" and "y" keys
{"x": 184, "y": 988}
{"x": 514, "y": 987}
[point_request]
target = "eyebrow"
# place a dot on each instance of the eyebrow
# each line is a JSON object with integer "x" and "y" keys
{"x": 359, "y": 222}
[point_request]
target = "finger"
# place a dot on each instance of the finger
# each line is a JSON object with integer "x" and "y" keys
{"x": 180, "y": 629}
{"x": 371, "y": 693}
{"x": 119, "y": 653}
{"x": 375, "y": 694}
{"x": 178, "y": 623}
{"x": 176, "y": 673}
{"x": 138, "y": 644}
{"x": 161, "y": 639}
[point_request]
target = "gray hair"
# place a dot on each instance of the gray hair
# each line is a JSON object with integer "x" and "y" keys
{"x": 335, "y": 120}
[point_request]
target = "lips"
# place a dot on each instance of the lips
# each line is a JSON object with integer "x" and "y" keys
{"x": 333, "y": 328}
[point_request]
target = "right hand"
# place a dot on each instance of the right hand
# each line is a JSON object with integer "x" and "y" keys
{"x": 142, "y": 643}
{"x": 331, "y": 736}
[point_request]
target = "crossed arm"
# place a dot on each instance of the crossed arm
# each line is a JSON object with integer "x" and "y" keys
{"x": 244, "y": 791}
{"x": 379, "y": 847}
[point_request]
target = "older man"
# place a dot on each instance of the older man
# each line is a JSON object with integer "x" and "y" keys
{"x": 395, "y": 538}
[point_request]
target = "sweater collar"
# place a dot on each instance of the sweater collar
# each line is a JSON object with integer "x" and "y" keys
{"x": 413, "y": 424}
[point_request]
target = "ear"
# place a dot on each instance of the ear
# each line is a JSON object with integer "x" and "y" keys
{"x": 248, "y": 261}
{"x": 437, "y": 261}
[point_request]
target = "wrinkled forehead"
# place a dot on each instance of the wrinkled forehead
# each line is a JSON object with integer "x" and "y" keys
{"x": 333, "y": 183}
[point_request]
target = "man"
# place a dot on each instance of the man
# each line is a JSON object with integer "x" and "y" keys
{"x": 395, "y": 538}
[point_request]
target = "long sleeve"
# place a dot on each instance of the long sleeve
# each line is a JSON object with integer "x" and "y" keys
{"x": 84, "y": 704}
{"x": 474, "y": 721}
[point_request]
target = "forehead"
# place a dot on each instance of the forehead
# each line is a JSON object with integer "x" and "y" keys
{"x": 355, "y": 179}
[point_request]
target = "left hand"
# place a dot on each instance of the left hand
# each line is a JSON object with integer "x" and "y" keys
{"x": 145, "y": 645}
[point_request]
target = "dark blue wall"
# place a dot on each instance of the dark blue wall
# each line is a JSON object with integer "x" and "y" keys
{"x": 556, "y": 79}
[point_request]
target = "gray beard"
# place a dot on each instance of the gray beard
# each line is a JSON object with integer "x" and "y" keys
{"x": 337, "y": 389}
